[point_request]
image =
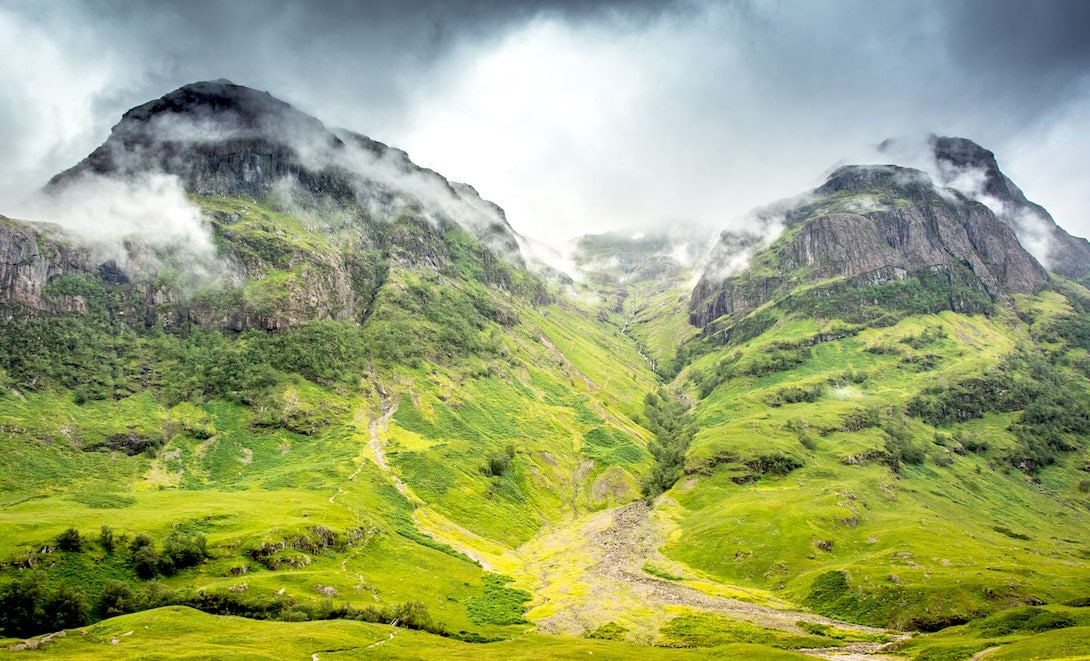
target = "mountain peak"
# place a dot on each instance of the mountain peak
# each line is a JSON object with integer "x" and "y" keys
{"x": 974, "y": 171}
{"x": 866, "y": 226}
{"x": 223, "y": 139}
{"x": 859, "y": 178}
{"x": 221, "y": 107}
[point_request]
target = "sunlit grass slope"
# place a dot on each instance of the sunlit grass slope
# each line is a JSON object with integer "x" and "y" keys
{"x": 888, "y": 475}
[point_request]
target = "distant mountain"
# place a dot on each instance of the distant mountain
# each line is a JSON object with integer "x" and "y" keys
{"x": 868, "y": 224}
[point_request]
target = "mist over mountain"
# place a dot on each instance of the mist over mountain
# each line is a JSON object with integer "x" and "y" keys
{"x": 972, "y": 170}
{"x": 222, "y": 139}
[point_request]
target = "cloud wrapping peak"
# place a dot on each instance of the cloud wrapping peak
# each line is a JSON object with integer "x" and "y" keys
{"x": 579, "y": 117}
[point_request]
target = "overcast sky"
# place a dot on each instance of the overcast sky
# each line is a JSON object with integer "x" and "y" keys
{"x": 582, "y": 116}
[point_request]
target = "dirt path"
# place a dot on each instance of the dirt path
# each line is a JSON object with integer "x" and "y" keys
{"x": 433, "y": 525}
{"x": 591, "y": 573}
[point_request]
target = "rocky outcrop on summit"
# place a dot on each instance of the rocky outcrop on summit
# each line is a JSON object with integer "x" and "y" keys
{"x": 869, "y": 224}
{"x": 962, "y": 161}
{"x": 290, "y": 222}
{"x": 222, "y": 139}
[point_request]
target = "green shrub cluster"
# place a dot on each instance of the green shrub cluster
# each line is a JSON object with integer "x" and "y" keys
{"x": 672, "y": 423}
{"x": 1054, "y": 413}
{"x": 29, "y": 606}
{"x": 795, "y": 395}
{"x": 1028, "y": 619}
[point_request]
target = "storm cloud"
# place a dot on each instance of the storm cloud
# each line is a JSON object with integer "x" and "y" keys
{"x": 578, "y": 116}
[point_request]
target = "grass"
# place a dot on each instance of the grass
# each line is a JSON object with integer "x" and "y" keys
{"x": 944, "y": 542}
{"x": 182, "y": 633}
{"x": 1023, "y": 633}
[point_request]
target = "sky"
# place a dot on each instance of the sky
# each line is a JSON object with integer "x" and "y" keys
{"x": 581, "y": 117}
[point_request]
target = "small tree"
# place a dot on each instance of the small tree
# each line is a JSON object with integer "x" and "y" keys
{"x": 66, "y": 608}
{"x": 22, "y": 605}
{"x": 145, "y": 562}
{"x": 69, "y": 540}
{"x": 116, "y": 599}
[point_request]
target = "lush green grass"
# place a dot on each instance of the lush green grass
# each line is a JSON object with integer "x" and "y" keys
{"x": 181, "y": 633}
{"x": 940, "y": 532}
{"x": 1053, "y": 632}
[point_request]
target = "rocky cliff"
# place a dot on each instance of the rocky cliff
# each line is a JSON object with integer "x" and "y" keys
{"x": 868, "y": 225}
{"x": 973, "y": 169}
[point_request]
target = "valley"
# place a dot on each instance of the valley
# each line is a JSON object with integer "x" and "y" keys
{"x": 361, "y": 423}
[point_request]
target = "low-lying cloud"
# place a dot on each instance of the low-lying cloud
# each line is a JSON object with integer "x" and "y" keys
{"x": 144, "y": 224}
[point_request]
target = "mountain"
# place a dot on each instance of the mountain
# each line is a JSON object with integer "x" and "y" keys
{"x": 872, "y": 225}
{"x": 962, "y": 162}
{"x": 271, "y": 370}
{"x": 890, "y": 397}
{"x": 251, "y": 164}
{"x": 222, "y": 139}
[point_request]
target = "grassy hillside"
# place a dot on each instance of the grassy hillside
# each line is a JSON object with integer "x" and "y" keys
{"x": 383, "y": 423}
{"x": 914, "y": 475}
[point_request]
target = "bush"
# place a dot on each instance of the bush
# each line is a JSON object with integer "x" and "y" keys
{"x": 106, "y": 538}
{"x": 117, "y": 598}
{"x": 27, "y": 608}
{"x": 22, "y": 605}
{"x": 70, "y": 540}
{"x": 145, "y": 562}
{"x": 181, "y": 551}
{"x": 66, "y": 608}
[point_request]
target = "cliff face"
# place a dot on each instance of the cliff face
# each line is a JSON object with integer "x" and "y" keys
{"x": 961, "y": 160}
{"x": 869, "y": 224}
{"x": 29, "y": 259}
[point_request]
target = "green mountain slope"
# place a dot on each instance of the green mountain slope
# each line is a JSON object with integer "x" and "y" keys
{"x": 899, "y": 448}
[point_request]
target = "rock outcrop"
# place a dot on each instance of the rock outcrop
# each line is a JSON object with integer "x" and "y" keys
{"x": 974, "y": 169}
{"x": 870, "y": 224}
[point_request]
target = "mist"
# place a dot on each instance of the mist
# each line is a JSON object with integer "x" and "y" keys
{"x": 144, "y": 224}
{"x": 624, "y": 116}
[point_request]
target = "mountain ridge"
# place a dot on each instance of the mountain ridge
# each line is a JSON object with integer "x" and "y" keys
{"x": 882, "y": 221}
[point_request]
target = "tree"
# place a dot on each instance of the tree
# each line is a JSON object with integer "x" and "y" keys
{"x": 117, "y": 598}
{"x": 22, "y": 605}
{"x": 66, "y": 608}
{"x": 145, "y": 561}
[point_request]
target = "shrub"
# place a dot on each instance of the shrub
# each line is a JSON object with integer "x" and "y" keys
{"x": 145, "y": 562}
{"x": 117, "y": 598}
{"x": 70, "y": 540}
{"x": 66, "y": 608}
{"x": 106, "y": 538}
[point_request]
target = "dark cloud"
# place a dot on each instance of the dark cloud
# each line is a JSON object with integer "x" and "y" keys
{"x": 582, "y": 115}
